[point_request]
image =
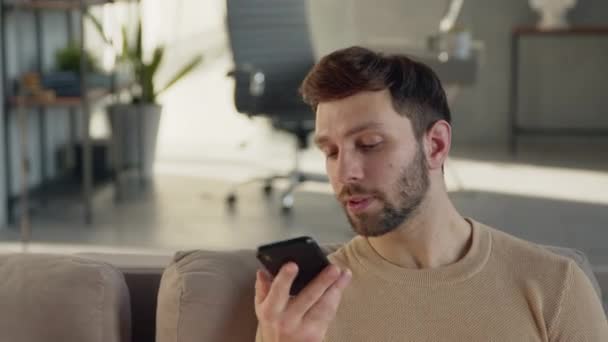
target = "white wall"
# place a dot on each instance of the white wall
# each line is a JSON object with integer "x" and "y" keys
{"x": 186, "y": 28}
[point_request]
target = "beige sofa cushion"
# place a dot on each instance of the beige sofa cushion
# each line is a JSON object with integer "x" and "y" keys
{"x": 209, "y": 296}
{"x": 62, "y": 298}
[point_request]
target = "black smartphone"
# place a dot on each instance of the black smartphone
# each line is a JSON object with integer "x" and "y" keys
{"x": 303, "y": 251}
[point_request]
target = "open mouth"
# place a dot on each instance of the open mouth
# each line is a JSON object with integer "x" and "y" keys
{"x": 359, "y": 204}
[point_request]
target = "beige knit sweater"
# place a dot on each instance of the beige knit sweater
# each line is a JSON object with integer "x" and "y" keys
{"x": 504, "y": 289}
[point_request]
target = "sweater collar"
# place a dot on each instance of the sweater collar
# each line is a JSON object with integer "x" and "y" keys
{"x": 473, "y": 261}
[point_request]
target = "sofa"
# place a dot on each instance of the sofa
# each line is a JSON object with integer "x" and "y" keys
{"x": 190, "y": 296}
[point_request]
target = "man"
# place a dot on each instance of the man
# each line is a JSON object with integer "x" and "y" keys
{"x": 418, "y": 270}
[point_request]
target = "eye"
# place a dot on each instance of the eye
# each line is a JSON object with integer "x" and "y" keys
{"x": 330, "y": 153}
{"x": 368, "y": 147}
{"x": 369, "y": 142}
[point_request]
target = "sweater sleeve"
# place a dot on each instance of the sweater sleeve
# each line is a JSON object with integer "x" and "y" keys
{"x": 580, "y": 316}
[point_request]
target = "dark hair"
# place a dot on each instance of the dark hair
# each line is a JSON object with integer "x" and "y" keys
{"x": 415, "y": 89}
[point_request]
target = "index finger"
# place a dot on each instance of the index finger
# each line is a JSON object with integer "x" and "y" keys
{"x": 262, "y": 286}
{"x": 313, "y": 291}
{"x": 278, "y": 296}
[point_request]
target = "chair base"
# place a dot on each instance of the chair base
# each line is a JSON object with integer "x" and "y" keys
{"x": 294, "y": 177}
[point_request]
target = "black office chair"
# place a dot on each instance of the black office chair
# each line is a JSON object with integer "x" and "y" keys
{"x": 272, "y": 54}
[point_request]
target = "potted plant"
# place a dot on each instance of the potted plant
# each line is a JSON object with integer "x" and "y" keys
{"x": 64, "y": 81}
{"x": 136, "y": 123}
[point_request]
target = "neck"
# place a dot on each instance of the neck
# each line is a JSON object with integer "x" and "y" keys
{"x": 436, "y": 236}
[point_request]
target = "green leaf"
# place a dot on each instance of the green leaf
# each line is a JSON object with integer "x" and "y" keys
{"x": 68, "y": 59}
{"x": 99, "y": 28}
{"x": 185, "y": 70}
{"x": 138, "y": 42}
{"x": 147, "y": 85}
{"x": 126, "y": 53}
{"x": 157, "y": 58}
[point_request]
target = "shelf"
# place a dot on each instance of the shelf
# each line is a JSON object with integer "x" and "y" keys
{"x": 574, "y": 30}
{"x": 52, "y": 4}
{"x": 72, "y": 101}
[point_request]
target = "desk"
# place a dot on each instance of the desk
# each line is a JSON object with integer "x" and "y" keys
{"x": 516, "y": 128}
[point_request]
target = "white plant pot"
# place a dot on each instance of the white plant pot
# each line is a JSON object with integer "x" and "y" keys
{"x": 552, "y": 12}
{"x": 135, "y": 131}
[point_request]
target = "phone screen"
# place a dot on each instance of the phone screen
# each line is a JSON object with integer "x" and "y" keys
{"x": 303, "y": 251}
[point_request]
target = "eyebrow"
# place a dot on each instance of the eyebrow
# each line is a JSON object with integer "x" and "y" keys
{"x": 322, "y": 139}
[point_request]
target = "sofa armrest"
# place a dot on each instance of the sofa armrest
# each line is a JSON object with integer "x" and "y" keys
{"x": 62, "y": 298}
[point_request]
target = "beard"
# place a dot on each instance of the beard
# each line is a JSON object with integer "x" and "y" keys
{"x": 409, "y": 190}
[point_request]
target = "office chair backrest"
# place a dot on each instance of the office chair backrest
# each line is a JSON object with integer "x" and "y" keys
{"x": 271, "y": 36}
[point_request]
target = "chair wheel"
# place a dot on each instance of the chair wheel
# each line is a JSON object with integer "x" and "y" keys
{"x": 267, "y": 189}
{"x": 231, "y": 199}
{"x": 287, "y": 203}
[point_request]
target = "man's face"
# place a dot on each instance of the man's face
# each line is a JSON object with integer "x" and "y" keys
{"x": 376, "y": 167}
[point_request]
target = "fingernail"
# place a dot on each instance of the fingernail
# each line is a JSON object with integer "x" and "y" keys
{"x": 292, "y": 267}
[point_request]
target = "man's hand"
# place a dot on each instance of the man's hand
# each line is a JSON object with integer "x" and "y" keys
{"x": 305, "y": 317}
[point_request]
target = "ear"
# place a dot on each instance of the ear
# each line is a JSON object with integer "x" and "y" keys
{"x": 438, "y": 140}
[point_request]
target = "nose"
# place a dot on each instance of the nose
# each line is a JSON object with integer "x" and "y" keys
{"x": 350, "y": 168}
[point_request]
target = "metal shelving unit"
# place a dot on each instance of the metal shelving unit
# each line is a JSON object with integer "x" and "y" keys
{"x": 12, "y": 102}
{"x": 53, "y": 4}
